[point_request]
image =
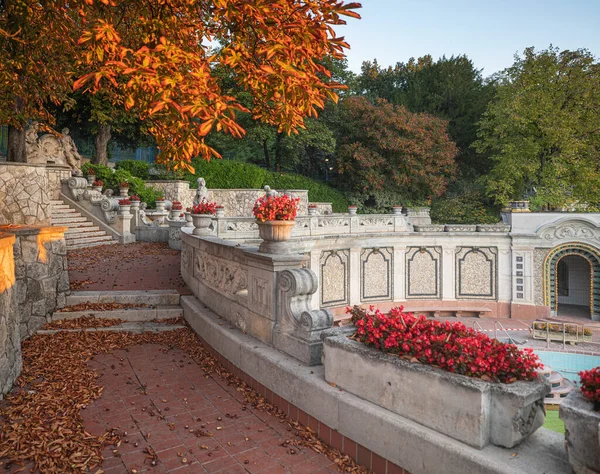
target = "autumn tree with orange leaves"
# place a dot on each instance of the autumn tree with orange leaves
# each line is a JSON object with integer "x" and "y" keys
{"x": 154, "y": 57}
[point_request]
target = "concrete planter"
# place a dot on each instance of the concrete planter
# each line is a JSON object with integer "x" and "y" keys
{"x": 582, "y": 433}
{"x": 123, "y": 192}
{"x": 124, "y": 210}
{"x": 160, "y": 206}
{"x": 469, "y": 410}
{"x": 188, "y": 219}
{"x": 201, "y": 223}
{"x": 90, "y": 179}
{"x": 275, "y": 235}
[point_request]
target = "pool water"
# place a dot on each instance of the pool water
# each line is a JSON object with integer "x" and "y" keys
{"x": 568, "y": 364}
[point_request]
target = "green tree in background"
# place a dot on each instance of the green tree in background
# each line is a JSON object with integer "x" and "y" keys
{"x": 385, "y": 149}
{"x": 543, "y": 129}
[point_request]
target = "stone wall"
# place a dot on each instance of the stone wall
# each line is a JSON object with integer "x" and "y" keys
{"x": 10, "y": 341}
{"x": 24, "y": 197}
{"x": 56, "y": 174}
{"x": 237, "y": 202}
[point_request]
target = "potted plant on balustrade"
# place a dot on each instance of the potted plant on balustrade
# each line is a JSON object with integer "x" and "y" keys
{"x": 202, "y": 214}
{"x": 160, "y": 204}
{"x": 580, "y": 411}
{"x": 124, "y": 206}
{"x": 123, "y": 188}
{"x": 442, "y": 375}
{"x": 275, "y": 218}
{"x": 91, "y": 178}
{"x": 176, "y": 209}
{"x": 135, "y": 202}
{"x": 97, "y": 185}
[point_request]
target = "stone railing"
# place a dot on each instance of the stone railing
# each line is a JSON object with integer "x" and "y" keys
{"x": 266, "y": 296}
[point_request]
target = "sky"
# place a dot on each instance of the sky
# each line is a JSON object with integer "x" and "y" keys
{"x": 489, "y": 32}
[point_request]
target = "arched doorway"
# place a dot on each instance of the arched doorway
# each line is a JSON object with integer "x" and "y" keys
{"x": 572, "y": 280}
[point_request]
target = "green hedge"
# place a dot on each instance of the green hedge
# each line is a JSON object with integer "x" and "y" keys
{"x": 466, "y": 208}
{"x": 139, "y": 169}
{"x": 237, "y": 175}
{"x": 112, "y": 180}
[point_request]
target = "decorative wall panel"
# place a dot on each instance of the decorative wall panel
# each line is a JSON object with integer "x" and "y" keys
{"x": 335, "y": 277}
{"x": 376, "y": 266}
{"x": 476, "y": 273}
{"x": 423, "y": 272}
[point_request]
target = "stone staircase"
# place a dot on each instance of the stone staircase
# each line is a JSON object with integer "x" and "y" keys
{"x": 81, "y": 232}
{"x": 158, "y": 310}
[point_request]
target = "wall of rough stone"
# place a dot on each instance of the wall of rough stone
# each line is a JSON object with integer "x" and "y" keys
{"x": 237, "y": 202}
{"x": 10, "y": 340}
{"x": 56, "y": 174}
{"x": 42, "y": 279}
{"x": 24, "y": 196}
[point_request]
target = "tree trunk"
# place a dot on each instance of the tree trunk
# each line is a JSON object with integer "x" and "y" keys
{"x": 102, "y": 139}
{"x": 278, "y": 141}
{"x": 266, "y": 153}
{"x": 16, "y": 138}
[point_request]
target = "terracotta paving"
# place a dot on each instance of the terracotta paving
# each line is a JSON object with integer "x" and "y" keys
{"x": 137, "y": 266}
{"x": 165, "y": 402}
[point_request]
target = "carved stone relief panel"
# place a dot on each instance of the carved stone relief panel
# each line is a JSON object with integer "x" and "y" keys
{"x": 539, "y": 255}
{"x": 376, "y": 274}
{"x": 261, "y": 295}
{"x": 570, "y": 231}
{"x": 335, "y": 277}
{"x": 221, "y": 275}
{"x": 476, "y": 272}
{"x": 423, "y": 272}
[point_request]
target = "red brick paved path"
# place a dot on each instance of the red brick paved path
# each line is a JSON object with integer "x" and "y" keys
{"x": 243, "y": 441}
{"x": 137, "y": 266}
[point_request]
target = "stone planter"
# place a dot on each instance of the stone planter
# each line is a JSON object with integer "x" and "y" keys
{"x": 175, "y": 234}
{"x": 397, "y": 210}
{"x": 220, "y": 212}
{"x": 124, "y": 210}
{"x": 519, "y": 206}
{"x": 275, "y": 235}
{"x": 469, "y": 410}
{"x": 188, "y": 219}
{"x": 174, "y": 214}
{"x": 135, "y": 205}
{"x": 160, "y": 206}
{"x": 313, "y": 211}
{"x": 90, "y": 179}
{"x": 582, "y": 433}
{"x": 201, "y": 223}
{"x": 352, "y": 210}
{"x": 123, "y": 192}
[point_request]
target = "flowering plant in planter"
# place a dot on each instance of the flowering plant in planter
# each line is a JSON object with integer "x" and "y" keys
{"x": 123, "y": 184}
{"x": 312, "y": 205}
{"x": 276, "y": 208}
{"x": 135, "y": 197}
{"x": 98, "y": 183}
{"x": 204, "y": 207}
{"x": 447, "y": 345}
{"x": 160, "y": 199}
{"x": 177, "y": 206}
{"x": 124, "y": 202}
{"x": 590, "y": 386}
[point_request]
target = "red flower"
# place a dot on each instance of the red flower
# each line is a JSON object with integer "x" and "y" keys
{"x": 98, "y": 183}
{"x": 124, "y": 202}
{"x": 590, "y": 385}
{"x": 276, "y": 208}
{"x": 449, "y": 346}
{"x": 204, "y": 207}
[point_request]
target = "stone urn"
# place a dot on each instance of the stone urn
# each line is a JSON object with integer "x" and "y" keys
{"x": 275, "y": 236}
{"x": 201, "y": 223}
{"x": 135, "y": 205}
{"x": 312, "y": 210}
{"x": 220, "y": 212}
{"x": 519, "y": 206}
{"x": 188, "y": 219}
{"x": 352, "y": 210}
{"x": 124, "y": 209}
{"x": 123, "y": 192}
{"x": 90, "y": 179}
{"x": 160, "y": 206}
{"x": 582, "y": 433}
{"x": 397, "y": 210}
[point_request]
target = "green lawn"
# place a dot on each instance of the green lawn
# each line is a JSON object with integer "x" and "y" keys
{"x": 553, "y": 422}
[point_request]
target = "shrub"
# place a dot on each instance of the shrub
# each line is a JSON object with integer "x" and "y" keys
{"x": 590, "y": 386}
{"x": 139, "y": 169}
{"x": 276, "y": 208}
{"x": 102, "y": 173}
{"x": 448, "y": 345}
{"x": 466, "y": 208}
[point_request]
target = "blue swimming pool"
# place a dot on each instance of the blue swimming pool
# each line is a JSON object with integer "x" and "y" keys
{"x": 569, "y": 365}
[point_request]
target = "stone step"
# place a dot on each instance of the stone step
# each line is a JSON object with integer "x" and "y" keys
{"x": 71, "y": 215}
{"x": 69, "y": 237}
{"x": 77, "y": 225}
{"x": 57, "y": 202}
{"x": 151, "y": 297}
{"x": 93, "y": 244}
{"x": 81, "y": 230}
{"x": 134, "y": 327}
{"x": 88, "y": 240}
{"x": 70, "y": 220}
{"x": 61, "y": 210}
{"x": 59, "y": 207}
{"x": 127, "y": 314}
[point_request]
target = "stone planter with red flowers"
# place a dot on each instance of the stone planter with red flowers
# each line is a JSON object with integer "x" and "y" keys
{"x": 124, "y": 207}
{"x": 135, "y": 202}
{"x": 441, "y": 375}
{"x": 275, "y": 218}
{"x": 176, "y": 209}
{"x": 160, "y": 204}
{"x": 202, "y": 216}
{"x": 97, "y": 185}
{"x": 124, "y": 189}
{"x": 580, "y": 411}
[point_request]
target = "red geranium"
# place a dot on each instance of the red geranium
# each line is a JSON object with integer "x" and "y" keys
{"x": 98, "y": 183}
{"x": 123, "y": 184}
{"x": 124, "y": 202}
{"x": 177, "y": 206}
{"x": 276, "y": 208}
{"x": 135, "y": 197}
{"x": 590, "y": 386}
{"x": 204, "y": 207}
{"x": 448, "y": 345}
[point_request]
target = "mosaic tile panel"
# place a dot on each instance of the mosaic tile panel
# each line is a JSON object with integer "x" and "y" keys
{"x": 423, "y": 272}
{"x": 376, "y": 266}
{"x": 476, "y": 272}
{"x": 335, "y": 277}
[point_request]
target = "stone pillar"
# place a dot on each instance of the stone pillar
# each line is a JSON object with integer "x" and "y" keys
{"x": 136, "y": 219}
{"x": 123, "y": 226}
{"x": 448, "y": 273}
{"x": 399, "y": 272}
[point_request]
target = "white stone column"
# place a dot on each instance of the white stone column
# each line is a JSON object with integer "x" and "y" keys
{"x": 354, "y": 276}
{"x": 448, "y": 273}
{"x": 399, "y": 272}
